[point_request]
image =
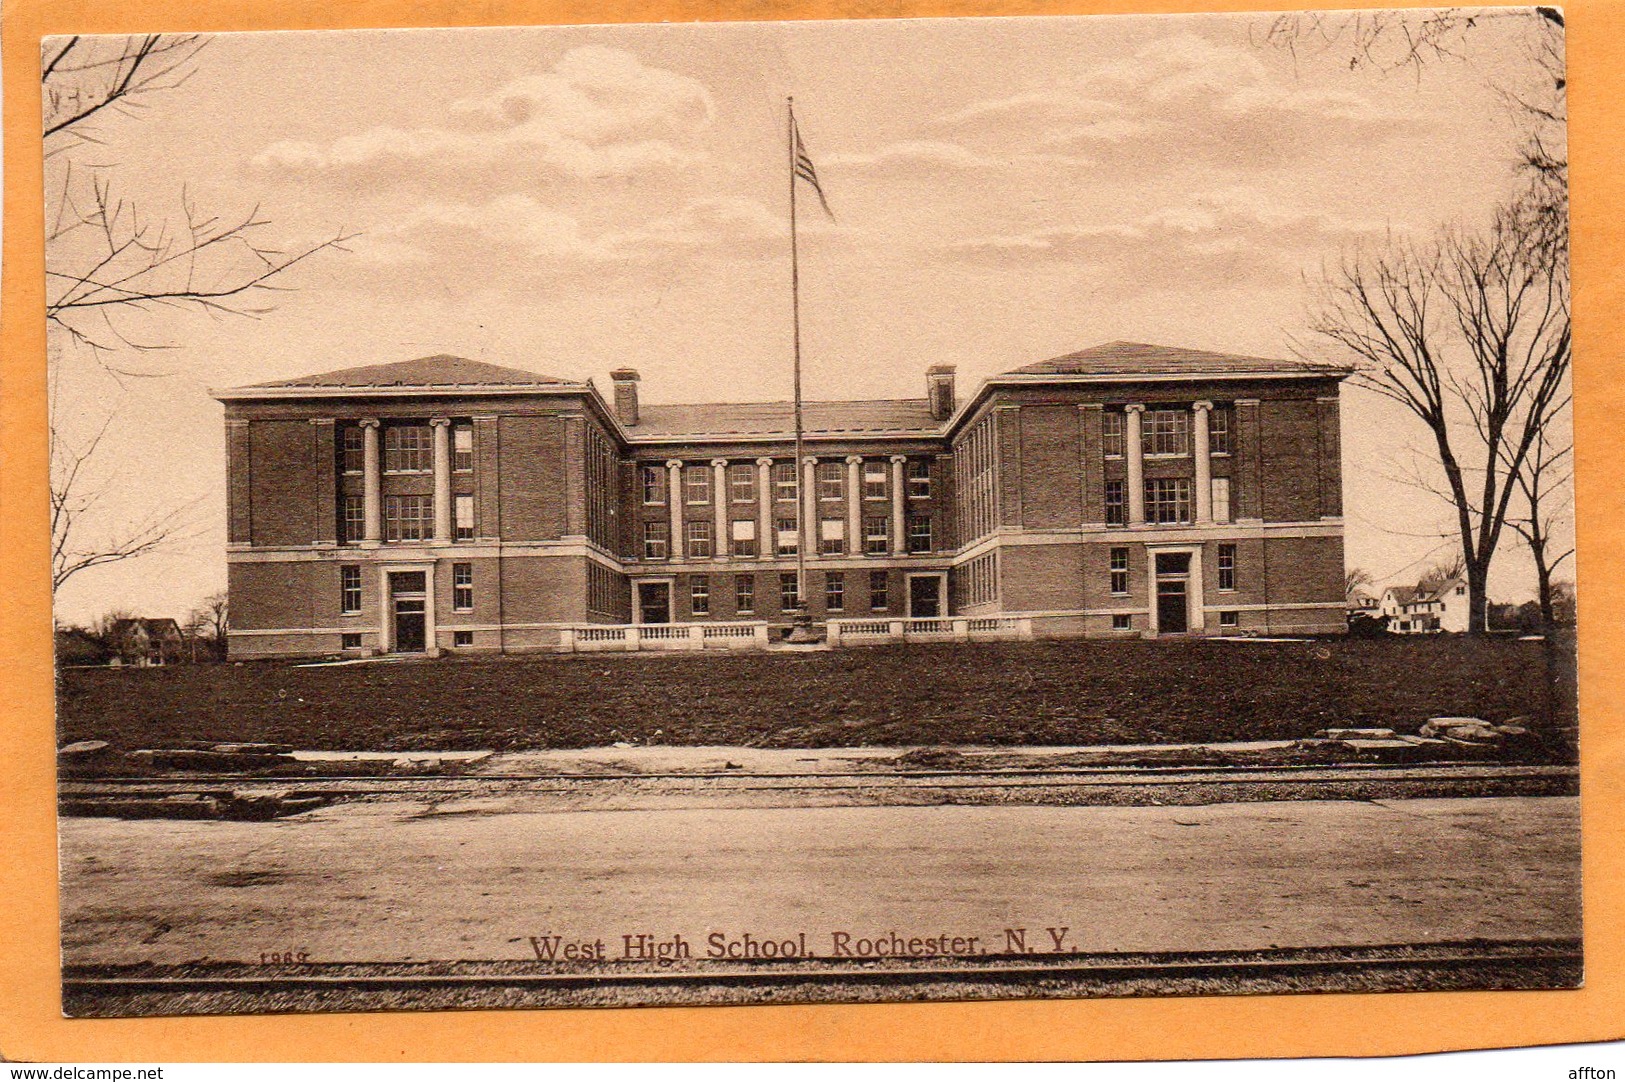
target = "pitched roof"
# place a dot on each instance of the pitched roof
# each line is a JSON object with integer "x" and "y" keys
{"x": 897, "y": 416}
{"x": 441, "y": 370}
{"x": 1141, "y": 359}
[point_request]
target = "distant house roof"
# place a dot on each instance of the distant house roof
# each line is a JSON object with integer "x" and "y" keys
{"x": 1129, "y": 359}
{"x": 886, "y": 416}
{"x": 441, "y": 370}
{"x": 159, "y": 626}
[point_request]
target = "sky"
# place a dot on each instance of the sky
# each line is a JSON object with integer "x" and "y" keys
{"x": 572, "y": 200}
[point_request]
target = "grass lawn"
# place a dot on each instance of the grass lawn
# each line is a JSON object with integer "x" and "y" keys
{"x": 1042, "y": 693}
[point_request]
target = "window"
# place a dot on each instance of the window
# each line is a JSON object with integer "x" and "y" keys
{"x": 831, "y": 481}
{"x": 462, "y": 448}
{"x": 699, "y": 539}
{"x": 408, "y": 518}
{"x": 742, "y": 482}
{"x": 1218, "y": 430}
{"x": 1119, "y": 572}
{"x": 834, "y": 590}
{"x": 788, "y": 539}
{"x": 879, "y": 590}
{"x": 874, "y": 481}
{"x": 744, "y": 594}
{"x": 654, "y": 540}
{"x": 697, "y": 484}
{"x": 877, "y": 535}
{"x": 462, "y": 638}
{"x": 654, "y": 484}
{"x": 784, "y": 481}
{"x": 1221, "y": 499}
{"x": 355, "y": 454}
{"x": 1122, "y": 621}
{"x": 1111, "y": 433}
{"x": 1165, "y": 432}
{"x": 355, "y": 518}
{"x": 1116, "y": 513}
{"x": 462, "y": 587}
{"x": 350, "y": 589}
{"x": 1229, "y": 618}
{"x": 699, "y": 595}
{"x": 744, "y": 537}
{"x": 407, "y": 449}
{"x": 350, "y": 640}
{"x": 919, "y": 480}
{"x": 919, "y": 533}
{"x": 789, "y": 593}
{"x": 832, "y": 536}
{"x": 1227, "y": 567}
{"x": 1168, "y": 500}
{"x": 463, "y": 517}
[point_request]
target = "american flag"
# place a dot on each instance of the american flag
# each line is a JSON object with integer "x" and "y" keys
{"x": 804, "y": 170}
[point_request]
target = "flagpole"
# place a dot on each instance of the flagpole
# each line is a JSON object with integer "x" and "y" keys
{"x": 795, "y": 320}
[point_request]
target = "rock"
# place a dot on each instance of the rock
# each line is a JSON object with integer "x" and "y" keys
{"x": 1356, "y": 734}
{"x": 86, "y": 757}
{"x": 1467, "y": 730}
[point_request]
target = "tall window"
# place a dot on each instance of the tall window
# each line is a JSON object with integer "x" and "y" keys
{"x": 787, "y": 537}
{"x": 462, "y": 448}
{"x": 350, "y": 588}
{"x": 877, "y": 535}
{"x": 1218, "y": 430}
{"x": 1111, "y": 433}
{"x": 744, "y": 537}
{"x": 834, "y": 590}
{"x": 919, "y": 533}
{"x": 355, "y": 455}
{"x": 744, "y": 594}
{"x": 1168, "y": 500}
{"x": 1119, "y": 572}
{"x": 699, "y": 539}
{"x": 1221, "y": 499}
{"x": 408, "y": 449}
{"x": 1165, "y": 432}
{"x": 462, "y": 587}
{"x": 742, "y": 482}
{"x": 1227, "y": 567}
{"x": 874, "y": 481}
{"x": 697, "y": 484}
{"x": 408, "y": 518}
{"x": 832, "y": 536}
{"x": 654, "y": 540}
{"x": 355, "y": 518}
{"x": 1116, "y": 513}
{"x": 831, "y": 481}
{"x": 699, "y": 595}
{"x": 784, "y": 482}
{"x": 463, "y": 517}
{"x": 789, "y": 594}
{"x": 879, "y": 590}
{"x": 654, "y": 484}
{"x": 919, "y": 479}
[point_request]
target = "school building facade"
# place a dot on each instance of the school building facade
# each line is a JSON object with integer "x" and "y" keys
{"x": 444, "y": 505}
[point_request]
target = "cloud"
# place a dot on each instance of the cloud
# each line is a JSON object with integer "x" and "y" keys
{"x": 599, "y": 112}
{"x": 927, "y": 158}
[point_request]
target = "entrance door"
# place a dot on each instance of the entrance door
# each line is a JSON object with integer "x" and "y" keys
{"x": 654, "y": 602}
{"x": 1173, "y": 582}
{"x": 924, "y": 600}
{"x": 409, "y": 625}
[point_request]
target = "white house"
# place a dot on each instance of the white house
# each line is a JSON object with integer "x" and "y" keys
{"x": 1419, "y": 612}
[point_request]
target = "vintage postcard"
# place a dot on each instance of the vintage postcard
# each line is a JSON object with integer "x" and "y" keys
{"x": 836, "y": 511}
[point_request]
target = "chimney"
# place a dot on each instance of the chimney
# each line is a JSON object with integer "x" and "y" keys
{"x": 626, "y": 394}
{"x": 939, "y": 390}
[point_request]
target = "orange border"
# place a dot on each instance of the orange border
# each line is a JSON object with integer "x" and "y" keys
{"x": 30, "y": 1024}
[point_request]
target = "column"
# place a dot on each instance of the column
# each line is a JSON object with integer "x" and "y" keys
{"x": 809, "y": 510}
{"x": 372, "y": 481}
{"x": 854, "y": 504}
{"x": 766, "y": 541}
{"x": 719, "y": 497}
{"x": 1204, "y": 465}
{"x": 674, "y": 503}
{"x": 1136, "y": 465}
{"x": 899, "y": 512}
{"x": 442, "y": 479}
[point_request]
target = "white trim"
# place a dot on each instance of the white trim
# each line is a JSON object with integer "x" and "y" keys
{"x": 671, "y": 600}
{"x": 1277, "y": 607}
{"x": 1193, "y": 586}
{"x": 247, "y": 631}
{"x": 908, "y": 593}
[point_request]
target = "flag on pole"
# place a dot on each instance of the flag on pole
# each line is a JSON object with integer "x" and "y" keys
{"x": 805, "y": 170}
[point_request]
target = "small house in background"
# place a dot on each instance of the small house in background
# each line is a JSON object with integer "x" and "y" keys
{"x": 143, "y": 642}
{"x": 1420, "y": 612}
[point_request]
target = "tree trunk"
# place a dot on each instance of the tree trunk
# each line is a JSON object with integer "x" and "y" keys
{"x": 1477, "y": 598}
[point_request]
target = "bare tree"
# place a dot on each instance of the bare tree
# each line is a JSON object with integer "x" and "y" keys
{"x": 1470, "y": 333}
{"x": 210, "y": 622}
{"x": 1544, "y": 485}
{"x": 1355, "y": 580}
{"x": 1442, "y": 572}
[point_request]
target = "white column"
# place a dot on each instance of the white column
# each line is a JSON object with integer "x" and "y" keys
{"x": 674, "y": 501}
{"x": 442, "y": 479}
{"x": 372, "y": 481}
{"x": 809, "y": 510}
{"x": 899, "y": 513}
{"x": 1136, "y": 466}
{"x": 1204, "y": 465}
{"x": 431, "y": 630}
{"x": 854, "y": 504}
{"x": 766, "y": 542}
{"x": 723, "y": 545}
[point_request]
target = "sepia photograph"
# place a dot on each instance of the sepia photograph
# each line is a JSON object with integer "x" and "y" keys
{"x": 812, "y": 512}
